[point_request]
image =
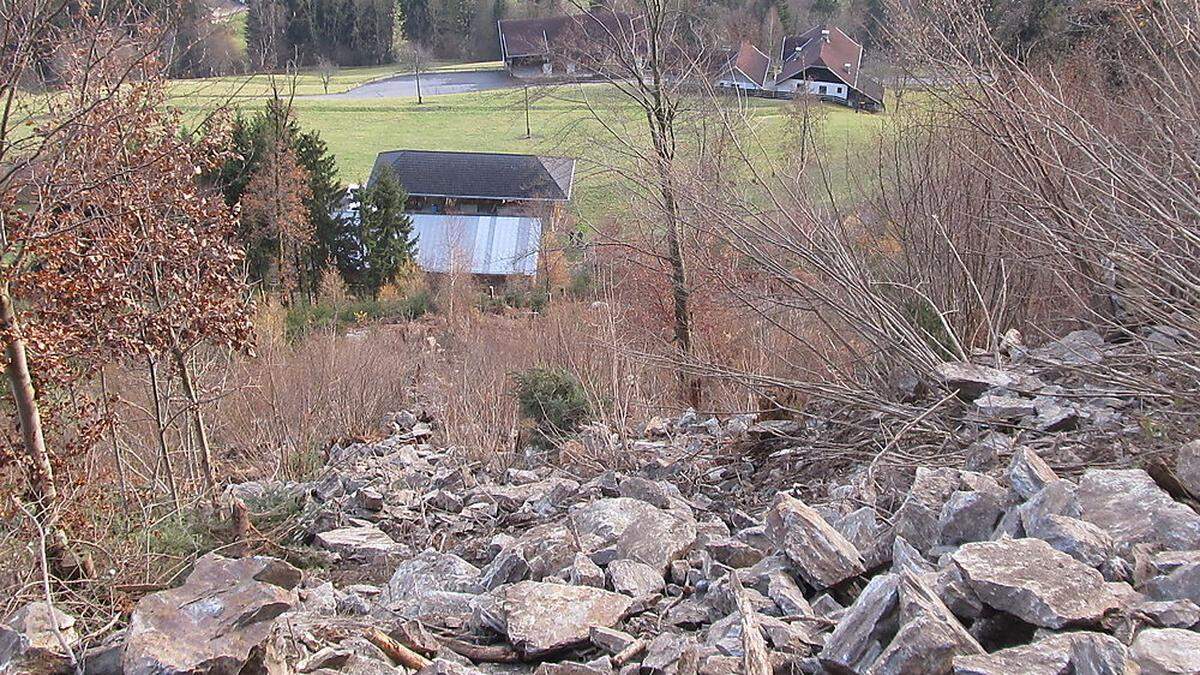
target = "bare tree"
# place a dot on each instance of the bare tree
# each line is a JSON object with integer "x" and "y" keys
{"x": 109, "y": 244}
{"x": 649, "y": 57}
{"x": 327, "y": 69}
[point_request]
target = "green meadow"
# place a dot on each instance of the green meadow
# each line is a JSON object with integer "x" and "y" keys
{"x": 563, "y": 120}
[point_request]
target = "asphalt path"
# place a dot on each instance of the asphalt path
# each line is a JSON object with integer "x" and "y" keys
{"x": 432, "y": 84}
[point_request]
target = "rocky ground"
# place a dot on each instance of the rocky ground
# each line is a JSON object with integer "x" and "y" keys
{"x": 698, "y": 561}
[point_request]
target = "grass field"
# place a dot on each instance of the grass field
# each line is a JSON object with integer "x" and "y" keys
{"x": 357, "y": 130}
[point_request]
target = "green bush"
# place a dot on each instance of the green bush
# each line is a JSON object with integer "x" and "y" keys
{"x": 553, "y": 400}
{"x": 304, "y": 318}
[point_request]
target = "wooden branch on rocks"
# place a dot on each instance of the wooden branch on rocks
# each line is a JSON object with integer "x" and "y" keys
{"x": 755, "y": 660}
{"x": 396, "y": 652}
{"x": 484, "y": 653}
{"x": 628, "y": 654}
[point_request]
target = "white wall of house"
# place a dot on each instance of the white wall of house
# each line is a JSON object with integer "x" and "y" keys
{"x": 736, "y": 80}
{"x": 832, "y": 89}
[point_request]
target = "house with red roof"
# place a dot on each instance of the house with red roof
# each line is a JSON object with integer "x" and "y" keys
{"x": 745, "y": 68}
{"x": 826, "y": 62}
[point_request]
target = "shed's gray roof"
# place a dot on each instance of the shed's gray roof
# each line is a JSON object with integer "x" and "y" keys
{"x": 484, "y": 175}
{"x": 498, "y": 245}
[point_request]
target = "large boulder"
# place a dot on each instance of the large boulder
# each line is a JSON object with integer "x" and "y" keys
{"x": 1134, "y": 510}
{"x": 37, "y": 638}
{"x": 918, "y": 520}
{"x": 860, "y": 635}
{"x": 1032, "y": 581}
{"x": 1167, "y": 651}
{"x": 822, "y": 556}
{"x": 930, "y": 637}
{"x": 217, "y": 622}
{"x": 638, "y": 530}
{"x": 362, "y": 542}
{"x": 1076, "y": 652}
{"x": 970, "y": 381}
{"x": 432, "y": 586}
{"x": 541, "y": 619}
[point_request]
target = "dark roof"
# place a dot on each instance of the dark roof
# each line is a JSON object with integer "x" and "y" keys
{"x": 537, "y": 37}
{"x": 484, "y": 175}
{"x": 749, "y": 61}
{"x": 813, "y": 49}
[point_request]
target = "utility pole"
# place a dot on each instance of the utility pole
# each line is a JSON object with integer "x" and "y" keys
{"x": 528, "y": 132}
{"x": 417, "y": 67}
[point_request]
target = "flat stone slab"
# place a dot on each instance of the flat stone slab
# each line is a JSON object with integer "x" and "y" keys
{"x": 1030, "y": 580}
{"x": 543, "y": 618}
{"x": 1167, "y": 651}
{"x": 1130, "y": 506}
{"x": 226, "y": 609}
{"x": 366, "y": 541}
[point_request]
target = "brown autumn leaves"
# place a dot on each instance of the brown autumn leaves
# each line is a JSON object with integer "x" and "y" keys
{"x": 111, "y": 248}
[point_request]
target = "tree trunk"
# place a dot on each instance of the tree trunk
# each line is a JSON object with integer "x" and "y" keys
{"x": 198, "y": 426}
{"x": 43, "y": 491}
{"x": 41, "y": 473}
{"x": 159, "y": 427}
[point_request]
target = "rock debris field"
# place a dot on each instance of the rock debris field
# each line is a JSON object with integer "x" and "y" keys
{"x": 1005, "y": 568}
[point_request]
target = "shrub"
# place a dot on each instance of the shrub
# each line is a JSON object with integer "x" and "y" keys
{"x": 553, "y": 399}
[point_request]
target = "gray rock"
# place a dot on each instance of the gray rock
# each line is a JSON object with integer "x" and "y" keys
{"x": 968, "y": 516}
{"x": 821, "y": 554}
{"x": 1168, "y": 613}
{"x": 984, "y": 454}
{"x": 634, "y": 578}
{"x": 858, "y": 638}
{"x": 29, "y": 643}
{"x": 970, "y": 381}
{"x": 1028, "y": 473}
{"x": 786, "y": 594}
{"x": 432, "y": 585}
{"x": 584, "y": 572}
{"x": 664, "y": 653}
{"x": 905, "y": 558}
{"x": 861, "y": 528}
{"x": 1032, "y": 581}
{"x": 660, "y": 536}
{"x": 1003, "y": 407}
{"x": 1167, "y": 651}
{"x": 574, "y": 668}
{"x": 1079, "y": 539}
{"x": 508, "y": 567}
{"x": 917, "y": 519}
{"x": 651, "y": 492}
{"x": 929, "y": 638}
{"x": 1181, "y": 583}
{"x": 1078, "y": 652}
{"x": 364, "y": 542}
{"x": 1077, "y": 348}
{"x": 734, "y": 552}
{"x": 1058, "y": 498}
{"x": 542, "y": 619}
{"x": 1133, "y": 509}
{"x": 1187, "y": 467}
{"x": 610, "y": 640}
{"x": 218, "y": 620}
{"x": 956, "y": 593}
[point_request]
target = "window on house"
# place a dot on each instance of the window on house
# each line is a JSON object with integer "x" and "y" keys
{"x": 822, "y": 89}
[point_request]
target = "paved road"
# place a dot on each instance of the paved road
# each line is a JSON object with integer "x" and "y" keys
{"x": 432, "y": 84}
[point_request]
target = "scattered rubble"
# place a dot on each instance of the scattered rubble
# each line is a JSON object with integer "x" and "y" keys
{"x": 1018, "y": 562}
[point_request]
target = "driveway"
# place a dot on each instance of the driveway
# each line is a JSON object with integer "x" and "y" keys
{"x": 432, "y": 84}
